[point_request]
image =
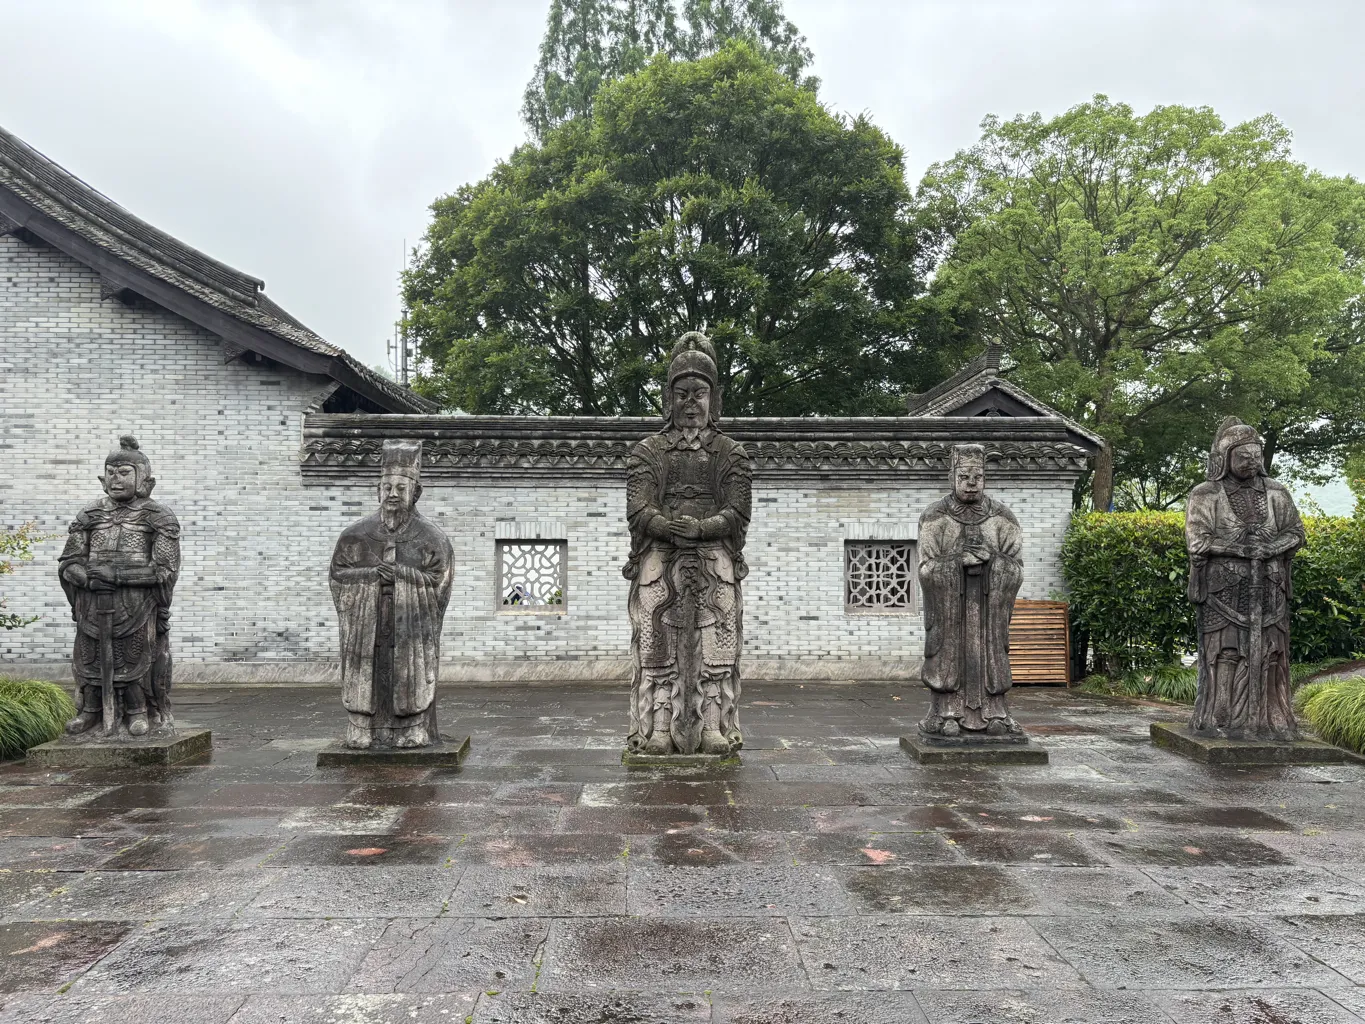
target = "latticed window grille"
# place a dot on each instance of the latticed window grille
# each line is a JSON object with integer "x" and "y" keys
{"x": 880, "y": 575}
{"x": 531, "y": 575}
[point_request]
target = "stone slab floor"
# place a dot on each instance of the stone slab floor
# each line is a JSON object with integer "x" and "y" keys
{"x": 828, "y": 879}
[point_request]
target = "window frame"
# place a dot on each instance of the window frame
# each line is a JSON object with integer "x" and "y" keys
{"x": 912, "y": 568}
{"x": 500, "y": 545}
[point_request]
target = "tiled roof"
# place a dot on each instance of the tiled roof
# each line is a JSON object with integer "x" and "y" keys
{"x": 59, "y": 195}
{"x": 982, "y": 374}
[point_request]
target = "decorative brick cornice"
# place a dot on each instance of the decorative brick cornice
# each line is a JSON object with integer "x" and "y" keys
{"x": 453, "y": 447}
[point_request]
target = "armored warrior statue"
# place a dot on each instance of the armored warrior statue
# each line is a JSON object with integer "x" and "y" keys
{"x": 118, "y": 569}
{"x": 1241, "y": 530}
{"x": 687, "y": 503}
{"x": 391, "y": 575}
{"x": 970, "y": 568}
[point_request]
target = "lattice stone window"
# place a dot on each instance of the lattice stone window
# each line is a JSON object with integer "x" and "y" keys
{"x": 880, "y": 576}
{"x": 532, "y": 576}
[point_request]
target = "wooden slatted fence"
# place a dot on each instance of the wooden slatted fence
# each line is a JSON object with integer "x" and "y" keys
{"x": 1040, "y": 643}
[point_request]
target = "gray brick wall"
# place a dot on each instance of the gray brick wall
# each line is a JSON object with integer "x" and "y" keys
{"x": 76, "y": 371}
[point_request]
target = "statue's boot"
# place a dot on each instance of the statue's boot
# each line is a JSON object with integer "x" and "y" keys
{"x": 713, "y": 741}
{"x": 660, "y": 742}
{"x": 997, "y": 727}
{"x": 89, "y": 715}
{"x": 950, "y": 727}
{"x": 84, "y": 720}
{"x": 137, "y": 724}
{"x": 359, "y": 735}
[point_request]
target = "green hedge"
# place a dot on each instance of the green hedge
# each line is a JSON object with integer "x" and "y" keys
{"x": 1127, "y": 574}
{"x": 31, "y": 712}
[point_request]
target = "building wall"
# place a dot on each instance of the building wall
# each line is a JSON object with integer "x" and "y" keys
{"x": 253, "y": 602}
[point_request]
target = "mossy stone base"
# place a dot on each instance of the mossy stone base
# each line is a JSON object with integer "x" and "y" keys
{"x": 1177, "y": 738}
{"x": 1014, "y": 750}
{"x": 631, "y": 759}
{"x": 449, "y": 753}
{"x": 86, "y": 751}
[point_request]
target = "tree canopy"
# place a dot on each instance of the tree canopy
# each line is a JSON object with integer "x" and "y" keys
{"x": 1151, "y": 273}
{"x": 589, "y": 43}
{"x": 714, "y": 194}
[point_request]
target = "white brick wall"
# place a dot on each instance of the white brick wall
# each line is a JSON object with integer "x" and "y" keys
{"x": 76, "y": 371}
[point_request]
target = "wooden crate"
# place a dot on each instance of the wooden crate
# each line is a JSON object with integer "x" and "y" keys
{"x": 1040, "y": 643}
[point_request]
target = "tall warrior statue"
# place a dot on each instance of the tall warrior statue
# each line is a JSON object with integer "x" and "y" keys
{"x": 970, "y": 568}
{"x": 1241, "y": 530}
{"x": 687, "y": 502}
{"x": 118, "y": 569}
{"x": 391, "y": 576}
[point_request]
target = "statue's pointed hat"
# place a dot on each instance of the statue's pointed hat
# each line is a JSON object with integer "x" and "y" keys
{"x": 403, "y": 457}
{"x": 1232, "y": 433}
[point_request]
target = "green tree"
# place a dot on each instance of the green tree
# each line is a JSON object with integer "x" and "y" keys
{"x": 1150, "y": 274}
{"x": 589, "y": 43}
{"x": 714, "y": 194}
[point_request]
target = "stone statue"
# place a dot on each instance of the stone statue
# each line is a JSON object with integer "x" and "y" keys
{"x": 687, "y": 502}
{"x": 391, "y": 576}
{"x": 1241, "y": 530}
{"x": 118, "y": 569}
{"x": 970, "y": 568}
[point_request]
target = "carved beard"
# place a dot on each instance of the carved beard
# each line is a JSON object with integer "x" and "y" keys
{"x": 395, "y": 519}
{"x": 690, "y": 434}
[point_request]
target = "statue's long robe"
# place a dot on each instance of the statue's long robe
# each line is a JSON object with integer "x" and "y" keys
{"x": 1229, "y": 512}
{"x": 669, "y": 659}
{"x": 422, "y": 561}
{"x": 139, "y": 541}
{"x": 967, "y": 615}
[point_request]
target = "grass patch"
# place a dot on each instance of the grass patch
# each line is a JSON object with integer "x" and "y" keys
{"x": 1174, "y": 683}
{"x": 1179, "y": 684}
{"x": 1335, "y": 708}
{"x": 31, "y": 712}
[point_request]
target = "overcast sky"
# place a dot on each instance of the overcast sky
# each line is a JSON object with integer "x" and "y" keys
{"x": 302, "y": 140}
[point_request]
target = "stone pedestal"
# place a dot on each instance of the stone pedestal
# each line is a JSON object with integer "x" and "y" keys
{"x": 1014, "y": 749}
{"x": 633, "y": 760}
{"x": 1179, "y": 739}
{"x": 449, "y": 753}
{"x": 93, "y": 751}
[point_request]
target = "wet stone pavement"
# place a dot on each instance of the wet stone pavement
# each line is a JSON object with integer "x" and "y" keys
{"x": 828, "y": 879}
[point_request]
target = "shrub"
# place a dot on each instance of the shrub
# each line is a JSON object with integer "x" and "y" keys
{"x": 1127, "y": 574}
{"x": 16, "y": 545}
{"x": 31, "y": 712}
{"x": 1336, "y": 710}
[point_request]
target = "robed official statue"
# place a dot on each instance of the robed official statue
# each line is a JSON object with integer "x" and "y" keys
{"x": 687, "y": 503}
{"x": 118, "y": 569}
{"x": 970, "y": 568}
{"x": 1241, "y": 531}
{"x": 391, "y": 575}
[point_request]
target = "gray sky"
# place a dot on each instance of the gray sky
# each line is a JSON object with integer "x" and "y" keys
{"x": 301, "y": 140}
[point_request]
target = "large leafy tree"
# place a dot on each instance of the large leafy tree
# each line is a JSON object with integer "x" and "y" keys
{"x": 1151, "y": 273}
{"x": 714, "y": 194}
{"x": 589, "y": 43}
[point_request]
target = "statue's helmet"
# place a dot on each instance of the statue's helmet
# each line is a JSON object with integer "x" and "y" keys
{"x": 129, "y": 453}
{"x": 403, "y": 458}
{"x": 1232, "y": 433}
{"x": 695, "y": 356}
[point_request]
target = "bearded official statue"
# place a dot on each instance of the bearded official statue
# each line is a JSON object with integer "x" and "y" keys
{"x": 970, "y": 568}
{"x": 391, "y": 576}
{"x": 687, "y": 503}
{"x": 1241, "y": 531}
{"x": 118, "y": 570}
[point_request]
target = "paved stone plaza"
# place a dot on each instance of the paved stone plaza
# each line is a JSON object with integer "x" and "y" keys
{"x": 829, "y": 879}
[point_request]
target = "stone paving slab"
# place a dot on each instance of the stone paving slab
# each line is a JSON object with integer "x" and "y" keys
{"x": 827, "y": 879}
